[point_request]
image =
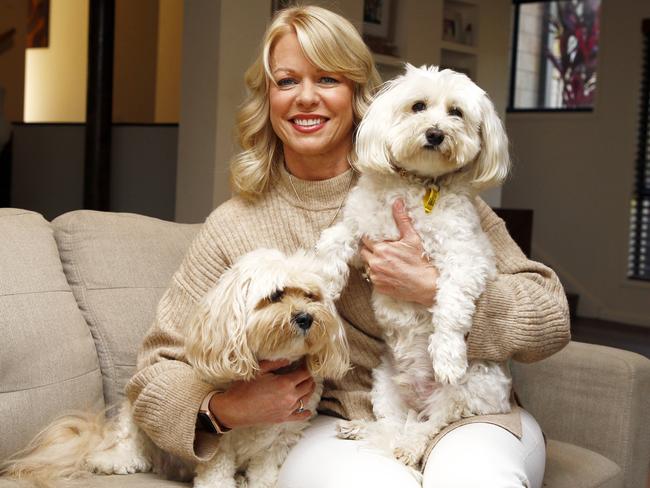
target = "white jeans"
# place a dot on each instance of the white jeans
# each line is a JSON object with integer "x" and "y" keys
{"x": 473, "y": 455}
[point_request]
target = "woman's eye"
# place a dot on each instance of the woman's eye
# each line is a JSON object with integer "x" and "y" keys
{"x": 456, "y": 112}
{"x": 286, "y": 82}
{"x": 276, "y": 296}
{"x": 419, "y": 106}
{"x": 328, "y": 80}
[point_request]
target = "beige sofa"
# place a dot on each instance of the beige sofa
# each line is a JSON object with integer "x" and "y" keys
{"x": 77, "y": 295}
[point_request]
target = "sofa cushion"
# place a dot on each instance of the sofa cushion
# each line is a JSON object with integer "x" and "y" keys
{"x": 48, "y": 362}
{"x": 119, "y": 265}
{"x": 569, "y": 466}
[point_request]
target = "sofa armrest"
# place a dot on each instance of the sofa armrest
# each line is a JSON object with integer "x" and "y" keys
{"x": 596, "y": 397}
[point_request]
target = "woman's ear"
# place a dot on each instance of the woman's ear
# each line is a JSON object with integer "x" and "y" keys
{"x": 217, "y": 344}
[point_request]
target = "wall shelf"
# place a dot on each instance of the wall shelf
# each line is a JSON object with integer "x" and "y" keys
{"x": 387, "y": 60}
{"x": 464, "y": 35}
{"x": 458, "y": 47}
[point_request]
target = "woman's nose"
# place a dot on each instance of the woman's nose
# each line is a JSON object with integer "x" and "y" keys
{"x": 307, "y": 94}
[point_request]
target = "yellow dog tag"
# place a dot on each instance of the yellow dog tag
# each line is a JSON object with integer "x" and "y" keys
{"x": 429, "y": 199}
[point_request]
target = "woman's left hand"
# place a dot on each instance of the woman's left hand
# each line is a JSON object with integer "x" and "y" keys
{"x": 399, "y": 268}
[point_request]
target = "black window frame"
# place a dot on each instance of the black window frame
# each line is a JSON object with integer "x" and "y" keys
{"x": 513, "y": 69}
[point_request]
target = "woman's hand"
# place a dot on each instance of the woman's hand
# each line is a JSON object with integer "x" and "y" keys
{"x": 269, "y": 398}
{"x": 399, "y": 268}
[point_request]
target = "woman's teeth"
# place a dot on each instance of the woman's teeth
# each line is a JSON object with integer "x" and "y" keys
{"x": 308, "y": 122}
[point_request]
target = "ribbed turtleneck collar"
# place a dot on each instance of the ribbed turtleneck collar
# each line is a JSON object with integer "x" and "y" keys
{"x": 315, "y": 195}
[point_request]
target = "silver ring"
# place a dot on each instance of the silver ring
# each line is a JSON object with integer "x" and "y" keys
{"x": 301, "y": 408}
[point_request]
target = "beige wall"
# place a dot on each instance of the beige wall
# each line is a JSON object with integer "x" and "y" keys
{"x": 55, "y": 77}
{"x": 13, "y": 15}
{"x": 493, "y": 63}
{"x": 198, "y": 114}
{"x": 577, "y": 170}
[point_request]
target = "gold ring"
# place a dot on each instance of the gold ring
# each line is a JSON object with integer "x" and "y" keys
{"x": 365, "y": 276}
{"x": 301, "y": 408}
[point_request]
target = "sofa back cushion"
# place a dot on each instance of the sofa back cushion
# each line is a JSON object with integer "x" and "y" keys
{"x": 119, "y": 265}
{"x": 48, "y": 362}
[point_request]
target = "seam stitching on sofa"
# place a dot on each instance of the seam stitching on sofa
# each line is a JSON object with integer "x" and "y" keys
{"x": 34, "y": 293}
{"x": 54, "y": 382}
{"x": 99, "y": 288}
{"x": 110, "y": 373}
{"x": 16, "y": 215}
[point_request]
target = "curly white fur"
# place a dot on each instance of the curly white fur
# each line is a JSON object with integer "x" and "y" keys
{"x": 249, "y": 316}
{"x": 426, "y": 127}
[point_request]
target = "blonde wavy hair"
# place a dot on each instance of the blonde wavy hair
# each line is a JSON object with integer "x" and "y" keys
{"x": 329, "y": 42}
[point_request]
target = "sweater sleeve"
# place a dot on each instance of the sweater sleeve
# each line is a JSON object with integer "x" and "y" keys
{"x": 523, "y": 313}
{"x": 165, "y": 392}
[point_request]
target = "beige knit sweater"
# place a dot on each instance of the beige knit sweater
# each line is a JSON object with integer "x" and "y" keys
{"x": 522, "y": 314}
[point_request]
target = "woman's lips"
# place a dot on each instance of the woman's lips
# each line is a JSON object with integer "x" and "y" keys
{"x": 307, "y": 125}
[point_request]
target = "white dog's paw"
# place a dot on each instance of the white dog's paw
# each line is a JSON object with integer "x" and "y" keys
{"x": 118, "y": 460}
{"x": 351, "y": 429}
{"x": 408, "y": 448}
{"x": 449, "y": 358}
{"x": 448, "y": 373}
{"x": 408, "y": 454}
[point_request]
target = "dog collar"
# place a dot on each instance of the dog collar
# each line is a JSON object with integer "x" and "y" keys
{"x": 431, "y": 188}
{"x": 413, "y": 177}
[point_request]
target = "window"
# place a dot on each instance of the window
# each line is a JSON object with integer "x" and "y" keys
{"x": 555, "y": 55}
{"x": 639, "y": 256}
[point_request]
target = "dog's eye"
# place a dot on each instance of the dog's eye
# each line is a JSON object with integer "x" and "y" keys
{"x": 456, "y": 112}
{"x": 419, "y": 106}
{"x": 312, "y": 296}
{"x": 276, "y": 296}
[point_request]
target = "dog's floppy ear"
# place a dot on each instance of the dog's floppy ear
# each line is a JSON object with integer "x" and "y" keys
{"x": 371, "y": 144}
{"x": 493, "y": 162}
{"x": 216, "y": 344}
{"x": 333, "y": 359}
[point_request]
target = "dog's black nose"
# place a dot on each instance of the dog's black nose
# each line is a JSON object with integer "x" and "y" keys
{"x": 435, "y": 137}
{"x": 303, "y": 320}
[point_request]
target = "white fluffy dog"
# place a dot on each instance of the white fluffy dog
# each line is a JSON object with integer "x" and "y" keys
{"x": 265, "y": 307}
{"x": 432, "y": 138}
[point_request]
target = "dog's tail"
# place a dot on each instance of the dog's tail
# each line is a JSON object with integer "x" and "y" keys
{"x": 61, "y": 449}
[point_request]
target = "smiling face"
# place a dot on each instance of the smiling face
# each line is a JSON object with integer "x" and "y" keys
{"x": 310, "y": 109}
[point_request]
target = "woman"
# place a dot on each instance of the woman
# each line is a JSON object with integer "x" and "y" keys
{"x": 307, "y": 92}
